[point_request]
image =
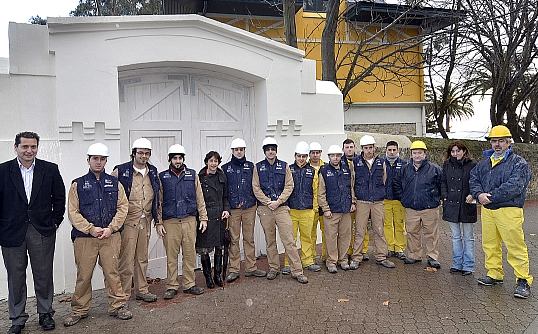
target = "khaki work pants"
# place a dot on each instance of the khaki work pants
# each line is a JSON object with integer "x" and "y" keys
{"x": 87, "y": 250}
{"x": 422, "y": 222}
{"x": 133, "y": 261}
{"x": 376, "y": 211}
{"x": 180, "y": 235}
{"x": 280, "y": 218}
{"x": 242, "y": 221}
{"x": 337, "y": 237}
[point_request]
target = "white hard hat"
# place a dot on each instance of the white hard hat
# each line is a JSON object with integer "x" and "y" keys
{"x": 315, "y": 146}
{"x": 269, "y": 141}
{"x": 176, "y": 149}
{"x": 142, "y": 143}
{"x": 367, "y": 140}
{"x": 302, "y": 147}
{"x": 334, "y": 149}
{"x": 238, "y": 142}
{"x": 98, "y": 149}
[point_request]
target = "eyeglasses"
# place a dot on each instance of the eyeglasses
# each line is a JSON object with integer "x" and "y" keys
{"x": 147, "y": 154}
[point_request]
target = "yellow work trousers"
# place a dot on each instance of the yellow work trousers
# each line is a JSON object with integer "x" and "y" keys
{"x": 302, "y": 221}
{"x": 394, "y": 226}
{"x": 242, "y": 221}
{"x": 87, "y": 251}
{"x": 319, "y": 218}
{"x": 423, "y": 224}
{"x": 376, "y": 212}
{"x": 505, "y": 225}
{"x": 180, "y": 235}
{"x": 133, "y": 262}
{"x": 270, "y": 220}
{"x": 352, "y": 241}
{"x": 337, "y": 236}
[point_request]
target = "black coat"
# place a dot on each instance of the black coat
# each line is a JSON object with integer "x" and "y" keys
{"x": 47, "y": 202}
{"x": 215, "y": 190}
{"x": 454, "y": 190}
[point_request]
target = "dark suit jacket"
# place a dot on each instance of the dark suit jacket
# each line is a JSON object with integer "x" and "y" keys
{"x": 47, "y": 202}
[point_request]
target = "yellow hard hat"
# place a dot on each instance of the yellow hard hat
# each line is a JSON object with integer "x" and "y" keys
{"x": 499, "y": 131}
{"x": 418, "y": 144}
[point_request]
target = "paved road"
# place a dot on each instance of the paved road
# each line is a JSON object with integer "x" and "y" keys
{"x": 372, "y": 299}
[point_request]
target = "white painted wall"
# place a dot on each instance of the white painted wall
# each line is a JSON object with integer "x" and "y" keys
{"x": 62, "y": 82}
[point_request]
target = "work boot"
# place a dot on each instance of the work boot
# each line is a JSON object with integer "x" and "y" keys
{"x": 217, "y": 271}
{"x": 206, "y": 268}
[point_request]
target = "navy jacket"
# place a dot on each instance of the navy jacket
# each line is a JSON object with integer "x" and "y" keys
{"x": 272, "y": 178}
{"x": 337, "y": 186}
{"x": 506, "y": 182}
{"x": 239, "y": 175}
{"x": 179, "y": 194}
{"x": 302, "y": 197}
{"x": 369, "y": 185}
{"x": 125, "y": 176}
{"x": 419, "y": 189}
{"x": 392, "y": 171}
{"x": 46, "y": 208}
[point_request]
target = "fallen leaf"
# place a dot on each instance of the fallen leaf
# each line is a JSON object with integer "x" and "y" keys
{"x": 386, "y": 303}
{"x": 341, "y": 300}
{"x": 430, "y": 269}
{"x": 65, "y": 299}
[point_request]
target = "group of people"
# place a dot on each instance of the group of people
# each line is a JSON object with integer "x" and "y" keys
{"x": 355, "y": 198}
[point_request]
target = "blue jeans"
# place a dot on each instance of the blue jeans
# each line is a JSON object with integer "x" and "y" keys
{"x": 462, "y": 246}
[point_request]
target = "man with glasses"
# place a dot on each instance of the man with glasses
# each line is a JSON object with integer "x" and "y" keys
{"x": 499, "y": 182}
{"x": 140, "y": 180}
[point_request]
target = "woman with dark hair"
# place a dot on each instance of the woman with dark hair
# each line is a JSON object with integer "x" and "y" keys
{"x": 215, "y": 189}
{"x": 459, "y": 208}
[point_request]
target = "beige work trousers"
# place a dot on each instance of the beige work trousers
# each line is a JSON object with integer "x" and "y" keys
{"x": 280, "y": 218}
{"x": 133, "y": 261}
{"x": 337, "y": 237}
{"x": 180, "y": 235}
{"x": 422, "y": 222}
{"x": 242, "y": 221}
{"x": 376, "y": 211}
{"x": 87, "y": 250}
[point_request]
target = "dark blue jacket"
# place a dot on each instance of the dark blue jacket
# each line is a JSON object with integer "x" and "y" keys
{"x": 272, "y": 178}
{"x": 125, "y": 176}
{"x": 239, "y": 175}
{"x": 98, "y": 200}
{"x": 179, "y": 194}
{"x": 302, "y": 197}
{"x": 392, "y": 171}
{"x": 506, "y": 182}
{"x": 337, "y": 186}
{"x": 369, "y": 185}
{"x": 419, "y": 189}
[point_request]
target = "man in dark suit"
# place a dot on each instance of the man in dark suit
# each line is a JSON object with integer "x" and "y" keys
{"x": 32, "y": 206}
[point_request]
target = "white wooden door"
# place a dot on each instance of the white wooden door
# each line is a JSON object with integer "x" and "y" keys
{"x": 202, "y": 112}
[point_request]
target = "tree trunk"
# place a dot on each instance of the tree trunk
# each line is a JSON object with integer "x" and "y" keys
{"x": 328, "y": 60}
{"x": 290, "y": 29}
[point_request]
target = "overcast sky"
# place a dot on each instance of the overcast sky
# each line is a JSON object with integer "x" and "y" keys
{"x": 21, "y": 11}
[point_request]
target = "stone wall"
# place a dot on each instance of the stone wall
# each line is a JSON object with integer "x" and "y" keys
{"x": 408, "y": 129}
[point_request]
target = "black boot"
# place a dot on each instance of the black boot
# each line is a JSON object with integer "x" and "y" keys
{"x": 217, "y": 260}
{"x": 206, "y": 268}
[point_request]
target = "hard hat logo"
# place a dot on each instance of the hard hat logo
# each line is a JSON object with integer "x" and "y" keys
{"x": 98, "y": 149}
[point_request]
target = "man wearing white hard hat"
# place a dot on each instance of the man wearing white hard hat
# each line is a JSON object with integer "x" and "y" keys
{"x": 316, "y": 162}
{"x": 140, "y": 179}
{"x": 181, "y": 200}
{"x": 272, "y": 184}
{"x": 97, "y": 207}
{"x": 370, "y": 177}
{"x": 243, "y": 213}
{"x": 301, "y": 203}
{"x": 335, "y": 196}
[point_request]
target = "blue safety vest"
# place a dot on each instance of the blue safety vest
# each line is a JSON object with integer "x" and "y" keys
{"x": 302, "y": 197}
{"x": 369, "y": 185}
{"x": 239, "y": 176}
{"x": 272, "y": 178}
{"x": 179, "y": 194}
{"x": 337, "y": 186}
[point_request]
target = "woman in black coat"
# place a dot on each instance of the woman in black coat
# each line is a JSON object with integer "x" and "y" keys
{"x": 215, "y": 189}
{"x": 459, "y": 207}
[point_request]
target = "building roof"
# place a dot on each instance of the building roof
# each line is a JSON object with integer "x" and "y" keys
{"x": 272, "y": 8}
